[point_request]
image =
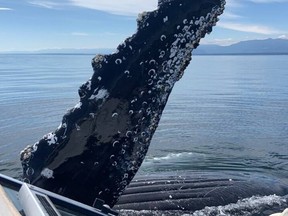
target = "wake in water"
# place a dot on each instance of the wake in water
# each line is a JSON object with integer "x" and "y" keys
{"x": 254, "y": 206}
{"x": 248, "y": 207}
{"x": 172, "y": 157}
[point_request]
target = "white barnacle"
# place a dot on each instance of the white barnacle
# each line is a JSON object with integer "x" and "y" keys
{"x": 142, "y": 17}
{"x": 162, "y": 54}
{"x": 151, "y": 72}
{"x": 114, "y": 115}
{"x": 150, "y": 82}
{"x": 134, "y": 100}
{"x": 183, "y": 40}
{"x": 47, "y": 173}
{"x": 78, "y": 106}
{"x": 60, "y": 126}
{"x": 99, "y": 78}
{"x": 128, "y": 133}
{"x": 173, "y": 53}
{"x": 163, "y": 37}
{"x": 78, "y": 128}
{"x": 165, "y": 19}
{"x": 186, "y": 29}
{"x": 131, "y": 112}
{"x": 115, "y": 143}
{"x": 51, "y": 138}
{"x": 144, "y": 104}
{"x": 88, "y": 85}
{"x": 26, "y": 153}
{"x": 202, "y": 19}
{"x": 159, "y": 83}
{"x": 124, "y": 183}
{"x": 35, "y": 146}
{"x": 97, "y": 61}
{"x": 185, "y": 21}
{"x": 123, "y": 44}
{"x": 118, "y": 61}
{"x": 29, "y": 171}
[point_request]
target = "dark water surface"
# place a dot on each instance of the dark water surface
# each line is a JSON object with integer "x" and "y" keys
{"x": 228, "y": 113}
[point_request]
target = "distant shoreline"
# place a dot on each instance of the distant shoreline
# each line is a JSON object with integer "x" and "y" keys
{"x": 250, "y": 47}
{"x": 238, "y": 54}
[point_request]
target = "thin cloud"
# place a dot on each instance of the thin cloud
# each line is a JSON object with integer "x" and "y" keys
{"x": 221, "y": 42}
{"x": 119, "y": 7}
{"x": 283, "y": 36}
{"x": 234, "y": 3}
{"x": 80, "y": 34}
{"x": 230, "y": 15}
{"x": 251, "y": 28}
{"x": 44, "y": 4}
{"x": 269, "y": 1}
{"x": 5, "y": 9}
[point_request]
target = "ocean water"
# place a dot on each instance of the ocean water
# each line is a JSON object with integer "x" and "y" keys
{"x": 227, "y": 114}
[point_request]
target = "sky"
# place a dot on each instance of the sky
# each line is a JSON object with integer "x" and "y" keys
{"x": 30, "y": 25}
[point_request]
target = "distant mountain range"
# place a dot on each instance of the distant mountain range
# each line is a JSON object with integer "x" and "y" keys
{"x": 251, "y": 47}
{"x": 268, "y": 46}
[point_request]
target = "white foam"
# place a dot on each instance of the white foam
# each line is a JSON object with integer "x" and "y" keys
{"x": 169, "y": 157}
{"x": 247, "y": 207}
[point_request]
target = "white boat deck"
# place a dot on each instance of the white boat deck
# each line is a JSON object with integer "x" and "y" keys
{"x": 6, "y": 206}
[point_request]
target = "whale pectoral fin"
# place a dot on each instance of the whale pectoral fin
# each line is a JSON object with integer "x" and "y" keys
{"x": 103, "y": 140}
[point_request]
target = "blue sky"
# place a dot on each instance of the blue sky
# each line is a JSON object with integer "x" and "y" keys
{"x": 48, "y": 24}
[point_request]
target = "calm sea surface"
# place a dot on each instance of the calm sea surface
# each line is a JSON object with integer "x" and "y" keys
{"x": 228, "y": 113}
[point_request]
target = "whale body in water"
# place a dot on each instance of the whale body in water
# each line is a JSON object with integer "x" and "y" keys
{"x": 203, "y": 193}
{"x": 102, "y": 141}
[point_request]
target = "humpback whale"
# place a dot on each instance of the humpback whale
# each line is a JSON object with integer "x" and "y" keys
{"x": 102, "y": 141}
{"x": 187, "y": 192}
